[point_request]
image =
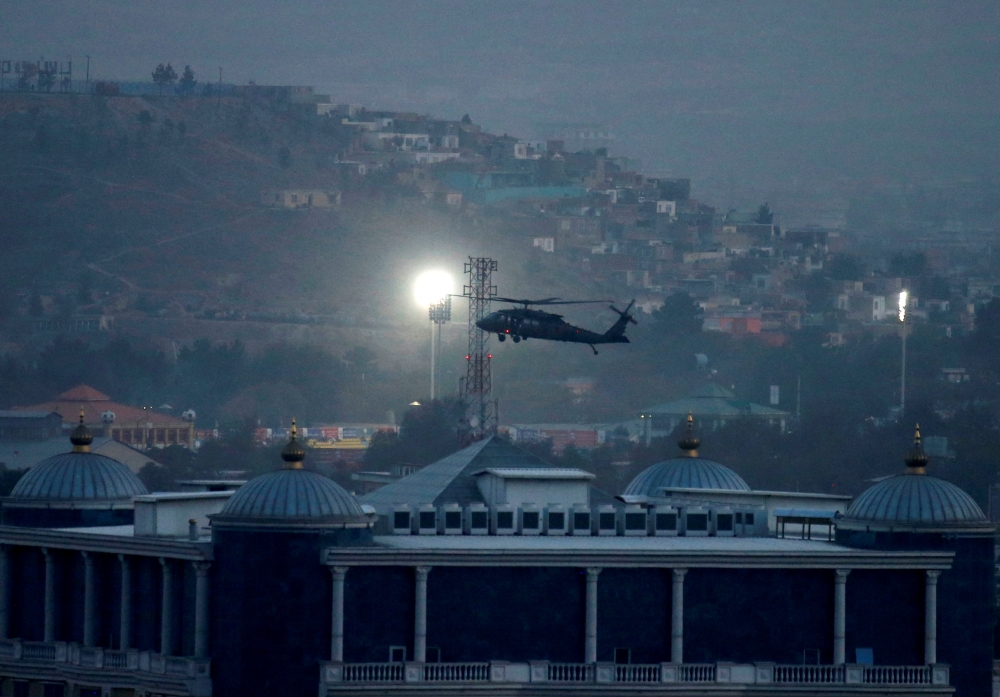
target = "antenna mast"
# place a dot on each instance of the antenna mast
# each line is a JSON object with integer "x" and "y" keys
{"x": 480, "y": 418}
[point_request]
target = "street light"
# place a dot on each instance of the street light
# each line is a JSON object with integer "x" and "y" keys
{"x": 433, "y": 291}
{"x": 903, "y": 297}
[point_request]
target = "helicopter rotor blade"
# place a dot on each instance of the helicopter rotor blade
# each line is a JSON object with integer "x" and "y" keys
{"x": 547, "y": 301}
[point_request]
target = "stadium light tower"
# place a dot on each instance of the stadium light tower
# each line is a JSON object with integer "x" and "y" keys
{"x": 903, "y": 297}
{"x": 432, "y": 290}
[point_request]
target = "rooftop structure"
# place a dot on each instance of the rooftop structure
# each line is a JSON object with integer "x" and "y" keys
{"x": 710, "y": 404}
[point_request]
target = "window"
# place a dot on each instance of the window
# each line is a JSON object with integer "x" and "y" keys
{"x": 623, "y": 656}
{"x": 635, "y": 521}
{"x": 581, "y": 521}
{"x": 557, "y": 521}
{"x": 479, "y": 519}
{"x": 21, "y": 688}
{"x": 606, "y": 521}
{"x": 739, "y": 519}
{"x": 401, "y": 520}
{"x": 453, "y": 519}
{"x": 529, "y": 520}
{"x": 697, "y": 522}
{"x": 724, "y": 522}
{"x": 397, "y": 654}
{"x": 505, "y": 520}
{"x": 427, "y": 519}
{"x": 748, "y": 519}
{"x": 50, "y": 690}
{"x": 666, "y": 521}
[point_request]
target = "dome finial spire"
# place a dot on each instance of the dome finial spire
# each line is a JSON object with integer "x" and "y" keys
{"x": 689, "y": 442}
{"x": 81, "y": 437}
{"x": 916, "y": 459}
{"x": 293, "y": 454}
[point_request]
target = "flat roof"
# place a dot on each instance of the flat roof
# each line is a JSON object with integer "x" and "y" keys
{"x": 182, "y": 496}
{"x": 536, "y": 473}
{"x": 609, "y": 543}
{"x": 632, "y": 552}
{"x": 755, "y": 492}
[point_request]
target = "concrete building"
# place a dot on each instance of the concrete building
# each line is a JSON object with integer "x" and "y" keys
{"x": 293, "y": 590}
{"x": 711, "y": 405}
{"x": 139, "y": 427}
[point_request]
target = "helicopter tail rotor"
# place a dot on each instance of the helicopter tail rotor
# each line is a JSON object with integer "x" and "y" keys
{"x": 617, "y": 331}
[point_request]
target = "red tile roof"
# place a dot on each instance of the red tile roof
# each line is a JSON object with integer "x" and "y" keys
{"x": 94, "y": 403}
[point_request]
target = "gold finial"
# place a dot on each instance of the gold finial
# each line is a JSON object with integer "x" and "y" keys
{"x": 689, "y": 442}
{"x": 293, "y": 454}
{"x": 916, "y": 459}
{"x": 81, "y": 437}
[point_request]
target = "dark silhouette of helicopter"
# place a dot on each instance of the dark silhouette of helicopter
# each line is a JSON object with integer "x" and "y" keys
{"x": 524, "y": 323}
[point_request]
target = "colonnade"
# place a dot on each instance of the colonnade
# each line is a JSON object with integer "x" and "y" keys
{"x": 90, "y": 609}
{"x": 421, "y": 574}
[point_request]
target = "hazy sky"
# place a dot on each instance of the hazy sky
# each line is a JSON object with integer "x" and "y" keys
{"x": 748, "y": 95}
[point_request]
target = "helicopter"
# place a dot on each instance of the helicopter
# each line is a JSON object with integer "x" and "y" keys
{"x": 524, "y": 323}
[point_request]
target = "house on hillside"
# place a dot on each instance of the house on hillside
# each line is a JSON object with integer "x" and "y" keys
{"x": 301, "y": 198}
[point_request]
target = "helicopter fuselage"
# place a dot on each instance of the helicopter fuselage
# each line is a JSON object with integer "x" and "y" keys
{"x": 521, "y": 323}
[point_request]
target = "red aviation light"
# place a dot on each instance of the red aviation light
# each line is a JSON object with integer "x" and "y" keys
{"x": 489, "y": 355}
{"x": 468, "y": 358}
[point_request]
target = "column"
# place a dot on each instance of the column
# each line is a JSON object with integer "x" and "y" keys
{"x": 337, "y": 621}
{"x": 590, "y": 643}
{"x": 677, "y": 618}
{"x": 840, "y": 616}
{"x": 89, "y": 624}
{"x": 166, "y": 609}
{"x": 420, "y": 616}
{"x": 125, "y": 610}
{"x": 201, "y": 588}
{"x": 4, "y": 594}
{"x": 930, "y": 617}
{"x": 50, "y": 596}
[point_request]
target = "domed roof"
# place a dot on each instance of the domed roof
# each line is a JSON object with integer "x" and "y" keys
{"x": 686, "y": 472}
{"x": 292, "y": 495}
{"x": 79, "y": 475}
{"x": 913, "y": 498}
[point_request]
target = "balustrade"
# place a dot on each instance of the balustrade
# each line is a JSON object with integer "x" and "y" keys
{"x": 571, "y": 672}
{"x": 373, "y": 672}
{"x": 637, "y": 673}
{"x": 808, "y": 674}
{"x": 457, "y": 672}
{"x": 696, "y": 672}
{"x": 897, "y": 675}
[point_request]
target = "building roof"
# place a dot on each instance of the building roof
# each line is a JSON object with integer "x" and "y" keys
{"x": 536, "y": 473}
{"x": 712, "y": 400}
{"x": 914, "y": 500}
{"x": 452, "y": 479}
{"x": 291, "y": 495}
{"x": 94, "y": 404}
{"x": 78, "y": 476}
{"x": 22, "y": 454}
{"x": 685, "y": 473}
{"x": 22, "y": 414}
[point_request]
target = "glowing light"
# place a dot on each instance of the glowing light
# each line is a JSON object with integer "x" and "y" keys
{"x": 902, "y": 305}
{"x": 432, "y": 287}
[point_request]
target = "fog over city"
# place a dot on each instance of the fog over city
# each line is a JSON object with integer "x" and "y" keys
{"x": 526, "y": 347}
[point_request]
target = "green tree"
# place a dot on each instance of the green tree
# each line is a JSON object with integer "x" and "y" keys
{"x": 164, "y": 75}
{"x": 764, "y": 215}
{"x": 912, "y": 265}
{"x": 46, "y": 80}
{"x": 427, "y": 433}
{"x": 679, "y": 315}
{"x": 845, "y": 267}
{"x": 188, "y": 82}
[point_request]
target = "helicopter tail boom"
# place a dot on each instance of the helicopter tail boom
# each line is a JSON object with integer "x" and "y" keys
{"x": 617, "y": 331}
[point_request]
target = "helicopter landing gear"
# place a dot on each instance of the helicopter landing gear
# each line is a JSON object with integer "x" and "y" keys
{"x": 501, "y": 338}
{"x": 592, "y": 348}
{"x": 516, "y": 339}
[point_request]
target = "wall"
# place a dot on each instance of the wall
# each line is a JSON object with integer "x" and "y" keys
{"x": 270, "y": 610}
